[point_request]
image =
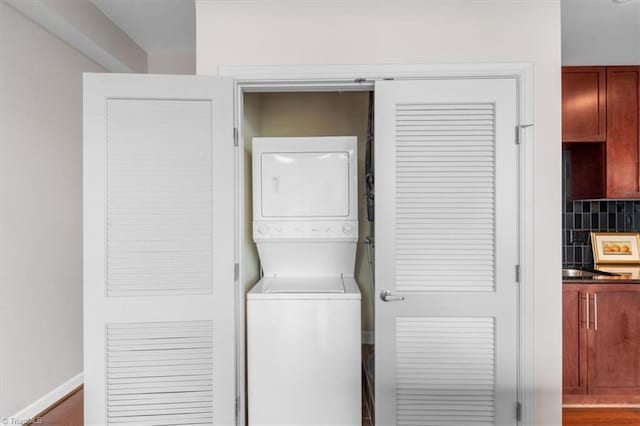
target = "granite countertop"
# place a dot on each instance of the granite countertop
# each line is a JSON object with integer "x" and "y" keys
{"x": 599, "y": 280}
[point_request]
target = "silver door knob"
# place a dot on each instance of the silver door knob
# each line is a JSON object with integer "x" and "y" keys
{"x": 387, "y": 296}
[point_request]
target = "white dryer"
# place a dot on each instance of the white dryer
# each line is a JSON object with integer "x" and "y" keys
{"x": 303, "y": 317}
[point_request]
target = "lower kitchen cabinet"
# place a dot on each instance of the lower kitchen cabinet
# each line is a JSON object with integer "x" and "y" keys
{"x": 601, "y": 342}
{"x": 614, "y": 340}
{"x": 574, "y": 338}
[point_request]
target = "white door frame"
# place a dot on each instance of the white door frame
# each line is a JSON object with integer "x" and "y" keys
{"x": 309, "y": 78}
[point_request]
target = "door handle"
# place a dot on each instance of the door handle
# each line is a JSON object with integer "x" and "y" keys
{"x": 595, "y": 311}
{"x": 387, "y": 296}
{"x": 586, "y": 308}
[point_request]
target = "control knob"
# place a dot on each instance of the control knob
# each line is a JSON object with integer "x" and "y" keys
{"x": 263, "y": 228}
{"x": 347, "y": 228}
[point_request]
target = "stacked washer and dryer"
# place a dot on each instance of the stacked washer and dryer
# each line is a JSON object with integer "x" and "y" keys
{"x": 303, "y": 316}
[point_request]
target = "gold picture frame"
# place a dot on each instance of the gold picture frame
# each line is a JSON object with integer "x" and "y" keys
{"x": 625, "y": 272}
{"x": 615, "y": 247}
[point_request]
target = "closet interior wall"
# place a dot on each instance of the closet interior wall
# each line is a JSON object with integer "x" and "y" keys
{"x": 288, "y": 114}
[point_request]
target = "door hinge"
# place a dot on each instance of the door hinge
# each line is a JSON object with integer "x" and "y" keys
{"x": 518, "y": 411}
{"x": 517, "y": 273}
{"x": 235, "y": 136}
{"x": 236, "y": 271}
{"x": 518, "y": 129}
{"x": 237, "y": 406}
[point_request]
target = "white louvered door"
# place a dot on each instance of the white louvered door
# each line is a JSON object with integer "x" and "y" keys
{"x": 158, "y": 250}
{"x": 447, "y": 241}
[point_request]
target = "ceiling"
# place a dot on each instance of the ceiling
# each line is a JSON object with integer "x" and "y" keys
{"x": 157, "y": 26}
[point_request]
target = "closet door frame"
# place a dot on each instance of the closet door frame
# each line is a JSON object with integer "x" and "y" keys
{"x": 326, "y": 78}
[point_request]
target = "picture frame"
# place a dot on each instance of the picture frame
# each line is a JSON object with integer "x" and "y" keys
{"x": 615, "y": 247}
{"x": 625, "y": 272}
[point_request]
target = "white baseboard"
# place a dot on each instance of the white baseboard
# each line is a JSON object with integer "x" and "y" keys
{"x": 32, "y": 410}
{"x": 368, "y": 338}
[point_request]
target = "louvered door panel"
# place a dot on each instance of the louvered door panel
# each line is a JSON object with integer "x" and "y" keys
{"x": 160, "y": 373}
{"x": 159, "y": 319}
{"x": 445, "y": 371}
{"x": 446, "y": 248}
{"x": 445, "y": 196}
{"x": 159, "y": 197}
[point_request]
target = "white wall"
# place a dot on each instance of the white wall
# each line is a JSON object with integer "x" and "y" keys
{"x": 600, "y": 32}
{"x": 40, "y": 211}
{"x": 360, "y": 31}
{"x": 85, "y": 27}
{"x": 171, "y": 63}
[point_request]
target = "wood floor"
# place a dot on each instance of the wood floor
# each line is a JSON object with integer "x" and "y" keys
{"x": 69, "y": 412}
{"x": 600, "y": 417}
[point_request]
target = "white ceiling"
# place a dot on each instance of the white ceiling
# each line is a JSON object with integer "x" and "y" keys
{"x": 600, "y": 32}
{"x": 157, "y": 26}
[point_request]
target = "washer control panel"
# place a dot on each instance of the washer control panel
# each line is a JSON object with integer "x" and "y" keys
{"x": 323, "y": 229}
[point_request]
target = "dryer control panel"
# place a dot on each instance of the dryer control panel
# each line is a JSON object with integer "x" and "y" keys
{"x": 301, "y": 230}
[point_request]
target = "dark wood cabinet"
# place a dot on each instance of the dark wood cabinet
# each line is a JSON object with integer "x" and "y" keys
{"x": 623, "y": 133}
{"x": 601, "y": 106}
{"x": 574, "y": 339}
{"x": 601, "y": 343}
{"x": 614, "y": 340}
{"x": 584, "y": 104}
{"x": 587, "y": 165}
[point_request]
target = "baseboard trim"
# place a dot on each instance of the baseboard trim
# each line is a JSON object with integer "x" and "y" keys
{"x": 368, "y": 338}
{"x": 36, "y": 408}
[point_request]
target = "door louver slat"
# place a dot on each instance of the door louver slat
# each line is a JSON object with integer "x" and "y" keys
{"x": 445, "y": 196}
{"x": 159, "y": 197}
{"x": 160, "y": 373}
{"x": 445, "y": 371}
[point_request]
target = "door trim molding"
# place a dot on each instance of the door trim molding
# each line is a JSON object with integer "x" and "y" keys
{"x": 308, "y": 78}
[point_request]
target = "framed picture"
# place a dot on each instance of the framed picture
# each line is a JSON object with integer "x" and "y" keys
{"x": 615, "y": 247}
{"x": 625, "y": 272}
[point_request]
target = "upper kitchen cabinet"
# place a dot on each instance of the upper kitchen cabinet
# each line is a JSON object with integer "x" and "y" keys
{"x": 601, "y": 105}
{"x": 584, "y": 106}
{"x": 623, "y": 133}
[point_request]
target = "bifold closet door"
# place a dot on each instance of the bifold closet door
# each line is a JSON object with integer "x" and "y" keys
{"x": 158, "y": 250}
{"x": 447, "y": 242}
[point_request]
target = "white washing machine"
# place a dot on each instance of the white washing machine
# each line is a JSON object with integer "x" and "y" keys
{"x": 303, "y": 317}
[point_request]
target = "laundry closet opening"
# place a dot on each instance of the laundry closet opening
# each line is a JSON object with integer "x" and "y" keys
{"x": 322, "y": 115}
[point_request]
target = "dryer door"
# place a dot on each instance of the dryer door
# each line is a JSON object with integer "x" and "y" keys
{"x": 305, "y": 184}
{"x": 307, "y": 179}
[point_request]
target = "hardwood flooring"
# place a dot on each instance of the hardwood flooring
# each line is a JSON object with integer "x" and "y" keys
{"x": 69, "y": 412}
{"x": 601, "y": 416}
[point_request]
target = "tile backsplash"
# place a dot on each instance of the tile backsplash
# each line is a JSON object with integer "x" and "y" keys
{"x": 579, "y": 218}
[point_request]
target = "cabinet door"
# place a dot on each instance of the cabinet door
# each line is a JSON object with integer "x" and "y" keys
{"x": 574, "y": 339}
{"x": 622, "y": 132}
{"x": 583, "y": 104}
{"x": 158, "y": 250}
{"x": 614, "y": 340}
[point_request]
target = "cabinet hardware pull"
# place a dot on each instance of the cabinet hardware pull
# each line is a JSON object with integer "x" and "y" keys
{"x": 586, "y": 306}
{"x": 595, "y": 311}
